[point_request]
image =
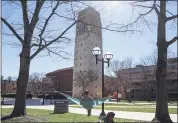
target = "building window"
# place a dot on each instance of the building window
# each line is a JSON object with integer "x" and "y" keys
{"x": 96, "y": 86}
{"x": 80, "y": 57}
{"x": 80, "y": 64}
{"x": 85, "y": 49}
{"x": 75, "y": 94}
{"x": 91, "y": 94}
{"x": 76, "y": 65}
{"x": 75, "y": 58}
{"x": 81, "y": 44}
{"x": 96, "y": 94}
{"x": 85, "y": 63}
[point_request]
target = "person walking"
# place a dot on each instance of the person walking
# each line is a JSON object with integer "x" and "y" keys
{"x": 85, "y": 100}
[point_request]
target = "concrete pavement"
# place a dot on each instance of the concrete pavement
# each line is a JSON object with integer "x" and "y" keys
{"x": 95, "y": 112}
{"x": 144, "y": 106}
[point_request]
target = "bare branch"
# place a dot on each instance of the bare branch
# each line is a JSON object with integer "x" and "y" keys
{"x": 35, "y": 18}
{"x": 47, "y": 20}
{"x": 50, "y": 42}
{"x": 172, "y": 41}
{"x": 12, "y": 29}
{"x": 171, "y": 18}
{"x": 25, "y": 14}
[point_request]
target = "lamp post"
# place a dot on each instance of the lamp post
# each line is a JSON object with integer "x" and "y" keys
{"x": 108, "y": 56}
{"x": 128, "y": 95}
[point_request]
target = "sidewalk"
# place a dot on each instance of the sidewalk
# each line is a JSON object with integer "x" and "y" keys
{"x": 95, "y": 112}
{"x": 132, "y": 106}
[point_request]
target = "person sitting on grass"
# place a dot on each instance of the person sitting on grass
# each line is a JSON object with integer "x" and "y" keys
{"x": 109, "y": 117}
{"x": 87, "y": 99}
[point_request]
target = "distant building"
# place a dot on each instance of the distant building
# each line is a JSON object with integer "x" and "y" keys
{"x": 59, "y": 80}
{"x": 141, "y": 78}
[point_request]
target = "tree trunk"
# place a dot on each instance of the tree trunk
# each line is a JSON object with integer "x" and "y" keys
{"x": 20, "y": 102}
{"x": 162, "y": 113}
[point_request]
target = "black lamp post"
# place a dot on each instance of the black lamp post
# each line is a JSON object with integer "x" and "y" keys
{"x": 108, "y": 56}
{"x": 129, "y": 95}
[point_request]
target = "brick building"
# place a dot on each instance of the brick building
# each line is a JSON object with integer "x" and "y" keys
{"x": 59, "y": 80}
{"x": 142, "y": 80}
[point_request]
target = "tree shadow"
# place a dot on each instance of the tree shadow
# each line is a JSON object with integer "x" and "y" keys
{"x": 6, "y": 117}
{"x": 56, "y": 113}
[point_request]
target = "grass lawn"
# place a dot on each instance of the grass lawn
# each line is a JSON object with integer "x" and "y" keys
{"x": 36, "y": 115}
{"x": 135, "y": 109}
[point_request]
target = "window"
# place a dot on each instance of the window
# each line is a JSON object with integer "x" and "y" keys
{"x": 96, "y": 86}
{"x": 80, "y": 57}
{"x": 76, "y": 65}
{"x": 80, "y": 64}
{"x": 75, "y": 94}
{"x": 85, "y": 63}
{"x": 96, "y": 94}
{"x": 81, "y": 44}
{"x": 85, "y": 49}
{"x": 85, "y": 56}
{"x": 91, "y": 94}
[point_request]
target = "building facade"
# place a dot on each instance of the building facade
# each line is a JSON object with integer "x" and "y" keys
{"x": 59, "y": 80}
{"x": 88, "y": 36}
{"x": 142, "y": 80}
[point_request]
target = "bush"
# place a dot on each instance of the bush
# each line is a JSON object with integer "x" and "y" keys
{"x": 54, "y": 95}
{"x": 13, "y": 95}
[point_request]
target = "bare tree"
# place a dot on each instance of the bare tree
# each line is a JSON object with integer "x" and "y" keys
{"x": 36, "y": 38}
{"x": 149, "y": 68}
{"x": 84, "y": 79}
{"x": 36, "y": 80}
{"x": 164, "y": 16}
{"x": 120, "y": 70}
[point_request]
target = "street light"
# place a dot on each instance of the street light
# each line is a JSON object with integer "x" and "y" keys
{"x": 128, "y": 95}
{"x": 108, "y": 56}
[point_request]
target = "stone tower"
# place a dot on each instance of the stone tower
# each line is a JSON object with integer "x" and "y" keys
{"x": 87, "y": 37}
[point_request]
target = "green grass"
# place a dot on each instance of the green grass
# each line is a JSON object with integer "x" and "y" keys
{"x": 135, "y": 109}
{"x": 48, "y": 116}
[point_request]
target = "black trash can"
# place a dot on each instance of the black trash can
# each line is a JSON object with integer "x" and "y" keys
{"x": 61, "y": 106}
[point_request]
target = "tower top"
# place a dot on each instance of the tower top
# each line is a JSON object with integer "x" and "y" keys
{"x": 90, "y": 22}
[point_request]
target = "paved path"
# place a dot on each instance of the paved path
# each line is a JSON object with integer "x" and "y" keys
{"x": 95, "y": 112}
{"x": 144, "y": 106}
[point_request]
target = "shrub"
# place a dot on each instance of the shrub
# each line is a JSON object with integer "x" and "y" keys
{"x": 54, "y": 95}
{"x": 13, "y": 95}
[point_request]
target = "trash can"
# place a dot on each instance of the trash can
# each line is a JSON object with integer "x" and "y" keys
{"x": 61, "y": 106}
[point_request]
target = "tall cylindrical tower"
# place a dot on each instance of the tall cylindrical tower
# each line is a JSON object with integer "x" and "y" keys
{"x": 88, "y": 36}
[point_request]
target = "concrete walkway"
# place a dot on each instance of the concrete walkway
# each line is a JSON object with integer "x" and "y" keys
{"x": 144, "y": 106}
{"x": 95, "y": 112}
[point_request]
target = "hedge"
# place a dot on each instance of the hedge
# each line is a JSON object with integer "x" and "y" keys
{"x": 13, "y": 95}
{"x": 53, "y": 95}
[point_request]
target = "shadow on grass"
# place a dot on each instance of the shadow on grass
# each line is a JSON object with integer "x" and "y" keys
{"x": 56, "y": 113}
{"x": 6, "y": 117}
